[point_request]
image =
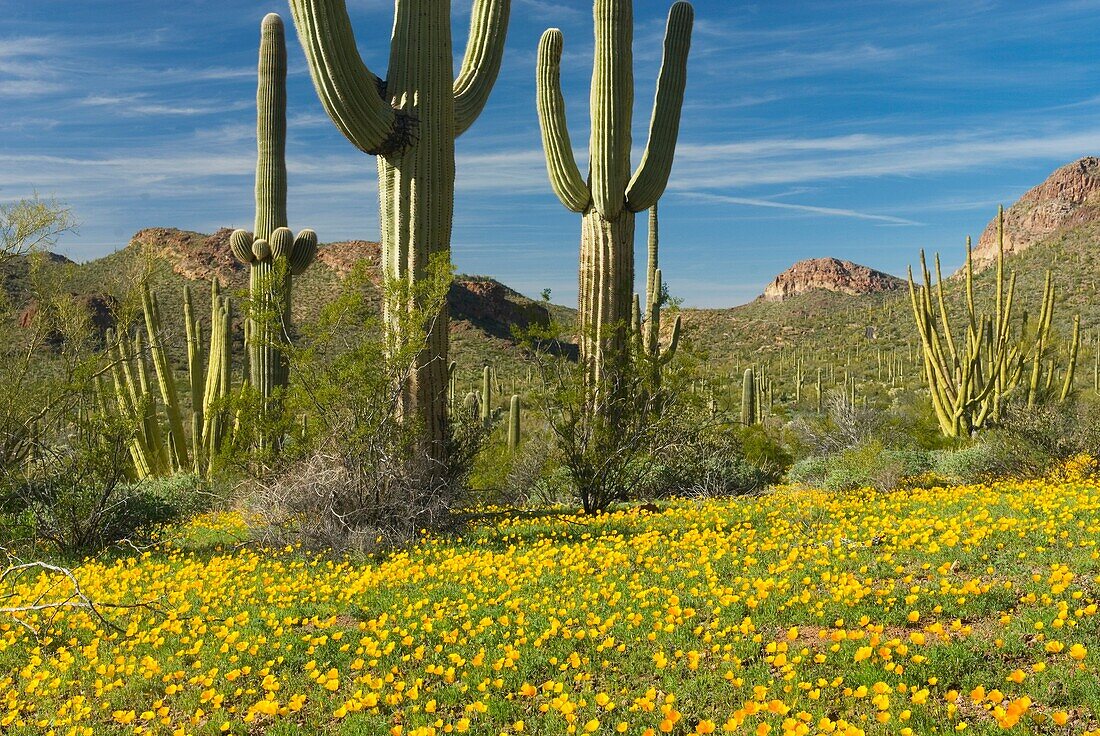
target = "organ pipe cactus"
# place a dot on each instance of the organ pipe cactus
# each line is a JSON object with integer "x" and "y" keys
{"x": 136, "y": 400}
{"x": 611, "y": 195}
{"x": 410, "y": 121}
{"x": 165, "y": 378}
{"x": 969, "y": 378}
{"x": 272, "y": 251}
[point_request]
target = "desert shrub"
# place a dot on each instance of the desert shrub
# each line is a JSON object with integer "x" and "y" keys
{"x": 905, "y": 424}
{"x": 870, "y": 465}
{"x": 718, "y": 460}
{"x": 79, "y": 498}
{"x": 810, "y": 471}
{"x": 360, "y": 475}
{"x": 1029, "y": 442}
{"x": 766, "y": 450}
{"x": 534, "y": 477}
{"x": 972, "y": 464}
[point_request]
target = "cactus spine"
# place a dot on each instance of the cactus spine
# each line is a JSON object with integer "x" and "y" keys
{"x": 513, "y": 423}
{"x": 271, "y": 250}
{"x": 410, "y": 121}
{"x": 748, "y": 398}
{"x": 611, "y": 196}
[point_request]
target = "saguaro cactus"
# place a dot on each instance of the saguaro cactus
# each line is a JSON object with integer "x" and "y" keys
{"x": 410, "y": 121}
{"x": 649, "y": 331}
{"x": 486, "y": 403}
{"x": 611, "y": 196}
{"x": 513, "y": 423}
{"x": 271, "y": 250}
{"x": 749, "y": 410}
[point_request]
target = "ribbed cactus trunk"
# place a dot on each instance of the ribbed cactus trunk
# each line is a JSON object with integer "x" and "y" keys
{"x": 271, "y": 250}
{"x": 410, "y": 121}
{"x": 606, "y": 288}
{"x": 610, "y": 196}
{"x": 417, "y": 194}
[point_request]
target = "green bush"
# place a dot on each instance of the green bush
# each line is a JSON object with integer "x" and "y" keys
{"x": 868, "y": 465}
{"x": 810, "y": 471}
{"x": 717, "y": 461}
{"x": 972, "y": 464}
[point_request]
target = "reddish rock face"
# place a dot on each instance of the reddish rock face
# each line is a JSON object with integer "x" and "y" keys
{"x": 1068, "y": 198}
{"x": 193, "y": 255}
{"x": 100, "y": 310}
{"x": 196, "y": 256}
{"x": 829, "y": 274}
{"x": 343, "y": 257}
{"x": 482, "y": 303}
{"x": 493, "y": 307}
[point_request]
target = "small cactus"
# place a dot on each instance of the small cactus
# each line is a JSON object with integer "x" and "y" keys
{"x": 513, "y": 423}
{"x": 486, "y": 396}
{"x": 749, "y": 401}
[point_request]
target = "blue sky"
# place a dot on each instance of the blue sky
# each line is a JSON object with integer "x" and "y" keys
{"x": 861, "y": 130}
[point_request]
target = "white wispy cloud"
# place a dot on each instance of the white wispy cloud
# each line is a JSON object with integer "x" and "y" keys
{"x": 805, "y": 208}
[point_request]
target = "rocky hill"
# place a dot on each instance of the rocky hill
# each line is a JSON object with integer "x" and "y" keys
{"x": 829, "y": 274}
{"x": 483, "y": 311}
{"x": 483, "y": 303}
{"x": 1069, "y": 198}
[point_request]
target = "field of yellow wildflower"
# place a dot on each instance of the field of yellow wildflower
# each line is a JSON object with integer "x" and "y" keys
{"x": 967, "y": 609}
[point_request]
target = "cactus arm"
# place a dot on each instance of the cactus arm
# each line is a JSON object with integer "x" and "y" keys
{"x": 561, "y": 164}
{"x": 303, "y": 252}
{"x": 636, "y": 323}
{"x": 611, "y": 106}
{"x": 1071, "y": 367}
{"x": 349, "y": 91}
{"x": 649, "y": 181}
{"x": 673, "y": 343}
{"x": 165, "y": 376}
{"x": 481, "y": 63}
{"x": 196, "y": 377}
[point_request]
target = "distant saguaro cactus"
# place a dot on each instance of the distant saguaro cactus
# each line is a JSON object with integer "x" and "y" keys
{"x": 749, "y": 411}
{"x": 272, "y": 252}
{"x": 486, "y": 396}
{"x": 410, "y": 121}
{"x": 513, "y": 423}
{"x": 610, "y": 197}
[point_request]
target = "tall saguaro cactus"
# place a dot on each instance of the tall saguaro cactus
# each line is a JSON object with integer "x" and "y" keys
{"x": 271, "y": 250}
{"x": 611, "y": 196}
{"x": 410, "y": 121}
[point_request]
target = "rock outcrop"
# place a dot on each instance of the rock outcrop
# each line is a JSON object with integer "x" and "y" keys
{"x": 1068, "y": 198}
{"x": 829, "y": 274}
